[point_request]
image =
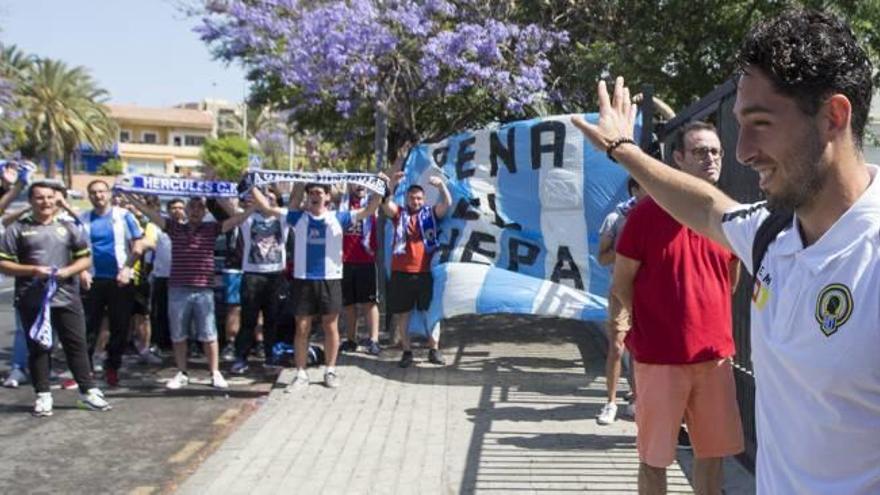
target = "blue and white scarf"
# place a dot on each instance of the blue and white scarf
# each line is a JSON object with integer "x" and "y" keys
{"x": 41, "y": 330}
{"x": 176, "y": 186}
{"x": 263, "y": 177}
{"x": 366, "y": 224}
{"x": 427, "y": 227}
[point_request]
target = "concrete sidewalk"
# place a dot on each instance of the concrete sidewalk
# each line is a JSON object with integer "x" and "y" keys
{"x": 512, "y": 412}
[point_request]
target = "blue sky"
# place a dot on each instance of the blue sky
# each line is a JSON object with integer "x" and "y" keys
{"x": 141, "y": 51}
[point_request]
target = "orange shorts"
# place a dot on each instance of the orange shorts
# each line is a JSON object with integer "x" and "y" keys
{"x": 703, "y": 394}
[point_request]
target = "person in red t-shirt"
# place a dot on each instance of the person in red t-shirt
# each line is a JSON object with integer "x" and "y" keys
{"x": 678, "y": 287}
{"x": 360, "y": 291}
{"x": 415, "y": 238}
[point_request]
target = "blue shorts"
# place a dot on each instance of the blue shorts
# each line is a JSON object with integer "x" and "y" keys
{"x": 232, "y": 286}
{"x": 191, "y": 308}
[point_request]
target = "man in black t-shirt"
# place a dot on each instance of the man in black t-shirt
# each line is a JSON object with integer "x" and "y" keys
{"x": 36, "y": 250}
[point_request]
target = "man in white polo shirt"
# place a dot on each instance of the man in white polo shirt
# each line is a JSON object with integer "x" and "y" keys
{"x": 802, "y": 104}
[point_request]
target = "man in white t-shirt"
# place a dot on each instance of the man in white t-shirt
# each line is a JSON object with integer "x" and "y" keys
{"x": 317, "y": 271}
{"x": 263, "y": 260}
{"x": 802, "y": 103}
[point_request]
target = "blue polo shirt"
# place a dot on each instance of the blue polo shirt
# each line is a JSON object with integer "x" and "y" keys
{"x": 110, "y": 236}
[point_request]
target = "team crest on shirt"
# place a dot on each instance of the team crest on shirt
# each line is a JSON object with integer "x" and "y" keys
{"x": 834, "y": 306}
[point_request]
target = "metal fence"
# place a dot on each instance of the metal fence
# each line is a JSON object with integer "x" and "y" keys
{"x": 741, "y": 183}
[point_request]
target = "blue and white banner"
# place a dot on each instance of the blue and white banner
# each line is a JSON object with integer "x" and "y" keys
{"x": 175, "y": 186}
{"x": 521, "y": 235}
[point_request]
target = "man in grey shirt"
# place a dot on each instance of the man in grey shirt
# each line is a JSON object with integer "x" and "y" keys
{"x": 36, "y": 250}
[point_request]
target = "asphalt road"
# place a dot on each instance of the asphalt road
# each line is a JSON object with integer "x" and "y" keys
{"x": 149, "y": 442}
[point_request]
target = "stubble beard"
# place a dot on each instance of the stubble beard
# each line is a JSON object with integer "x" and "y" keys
{"x": 806, "y": 176}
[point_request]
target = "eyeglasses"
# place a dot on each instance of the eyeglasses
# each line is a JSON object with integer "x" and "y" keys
{"x": 705, "y": 151}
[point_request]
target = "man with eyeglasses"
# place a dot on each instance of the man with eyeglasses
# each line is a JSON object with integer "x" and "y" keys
{"x": 677, "y": 285}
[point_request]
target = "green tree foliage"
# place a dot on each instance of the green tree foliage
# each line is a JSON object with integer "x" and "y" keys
{"x": 113, "y": 166}
{"x": 63, "y": 108}
{"x": 14, "y": 67}
{"x": 227, "y": 156}
{"x": 684, "y": 48}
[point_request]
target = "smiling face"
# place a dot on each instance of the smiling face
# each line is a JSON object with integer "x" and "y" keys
{"x": 701, "y": 156}
{"x": 44, "y": 202}
{"x": 778, "y": 141}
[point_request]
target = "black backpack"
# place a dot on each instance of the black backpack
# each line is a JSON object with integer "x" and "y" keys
{"x": 767, "y": 232}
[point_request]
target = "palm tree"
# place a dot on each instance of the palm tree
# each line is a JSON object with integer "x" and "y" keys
{"x": 64, "y": 109}
{"x": 14, "y": 64}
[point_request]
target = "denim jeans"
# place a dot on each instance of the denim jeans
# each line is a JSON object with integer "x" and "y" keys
{"x": 191, "y": 307}
{"x": 19, "y": 346}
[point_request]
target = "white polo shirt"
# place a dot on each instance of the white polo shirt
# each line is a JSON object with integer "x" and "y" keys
{"x": 816, "y": 351}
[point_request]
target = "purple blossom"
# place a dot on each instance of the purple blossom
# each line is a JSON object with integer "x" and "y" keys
{"x": 352, "y": 52}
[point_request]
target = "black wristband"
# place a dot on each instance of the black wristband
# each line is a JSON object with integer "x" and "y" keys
{"x": 615, "y": 144}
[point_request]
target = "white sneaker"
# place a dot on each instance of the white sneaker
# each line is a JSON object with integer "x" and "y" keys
{"x": 331, "y": 380}
{"x": 608, "y": 414}
{"x": 300, "y": 382}
{"x": 16, "y": 377}
{"x": 217, "y": 381}
{"x": 43, "y": 404}
{"x": 94, "y": 400}
{"x": 179, "y": 381}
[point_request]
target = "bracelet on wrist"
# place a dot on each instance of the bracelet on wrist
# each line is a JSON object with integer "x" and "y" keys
{"x": 616, "y": 144}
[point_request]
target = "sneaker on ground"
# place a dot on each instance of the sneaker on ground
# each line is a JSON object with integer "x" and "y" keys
{"x": 348, "y": 346}
{"x": 331, "y": 380}
{"x": 436, "y": 357}
{"x": 608, "y": 414}
{"x": 239, "y": 367}
{"x": 16, "y": 377}
{"x": 98, "y": 361}
{"x": 111, "y": 376}
{"x": 300, "y": 381}
{"x": 147, "y": 357}
{"x": 180, "y": 380}
{"x": 43, "y": 404}
{"x": 684, "y": 440}
{"x": 217, "y": 381}
{"x": 373, "y": 347}
{"x": 406, "y": 360}
{"x": 259, "y": 351}
{"x": 227, "y": 355}
{"x": 630, "y": 410}
{"x": 69, "y": 384}
{"x": 94, "y": 400}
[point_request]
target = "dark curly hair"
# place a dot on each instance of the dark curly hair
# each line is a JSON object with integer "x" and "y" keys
{"x": 810, "y": 55}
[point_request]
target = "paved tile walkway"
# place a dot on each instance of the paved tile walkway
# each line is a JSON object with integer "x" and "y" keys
{"x": 513, "y": 412}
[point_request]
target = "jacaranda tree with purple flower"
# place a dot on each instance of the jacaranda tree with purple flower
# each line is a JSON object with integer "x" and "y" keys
{"x": 431, "y": 66}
